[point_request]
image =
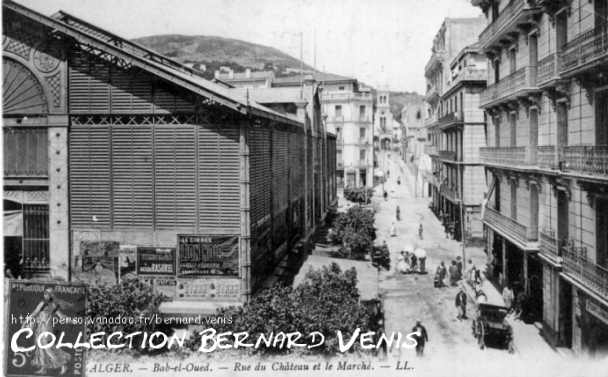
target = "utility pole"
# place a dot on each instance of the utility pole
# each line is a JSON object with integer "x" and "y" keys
{"x": 462, "y": 229}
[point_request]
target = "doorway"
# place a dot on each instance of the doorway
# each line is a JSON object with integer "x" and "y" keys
{"x": 565, "y": 314}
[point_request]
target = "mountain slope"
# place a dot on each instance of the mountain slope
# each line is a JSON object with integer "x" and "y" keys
{"x": 216, "y": 51}
{"x": 213, "y": 52}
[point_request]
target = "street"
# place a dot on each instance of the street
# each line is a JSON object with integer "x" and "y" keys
{"x": 412, "y": 297}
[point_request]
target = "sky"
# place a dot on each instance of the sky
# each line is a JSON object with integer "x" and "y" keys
{"x": 384, "y": 43}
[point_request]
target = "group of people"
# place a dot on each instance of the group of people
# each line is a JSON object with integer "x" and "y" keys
{"x": 408, "y": 263}
{"x": 515, "y": 303}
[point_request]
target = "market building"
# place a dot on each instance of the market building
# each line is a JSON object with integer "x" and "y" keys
{"x": 446, "y": 141}
{"x": 122, "y": 162}
{"x": 546, "y": 162}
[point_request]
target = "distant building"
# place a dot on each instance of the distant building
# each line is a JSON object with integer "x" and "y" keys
{"x": 247, "y": 79}
{"x": 453, "y": 36}
{"x": 348, "y": 110}
{"x": 383, "y": 121}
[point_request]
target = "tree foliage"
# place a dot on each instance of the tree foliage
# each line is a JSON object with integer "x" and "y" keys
{"x": 381, "y": 257}
{"x": 131, "y": 299}
{"x": 326, "y": 301}
{"x": 361, "y": 195}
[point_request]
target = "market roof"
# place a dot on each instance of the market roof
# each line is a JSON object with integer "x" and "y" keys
{"x": 92, "y": 36}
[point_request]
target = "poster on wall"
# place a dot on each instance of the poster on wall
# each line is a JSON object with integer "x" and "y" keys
{"x": 156, "y": 261}
{"x": 208, "y": 289}
{"x": 166, "y": 286}
{"x": 35, "y": 309}
{"x": 208, "y": 255}
{"x": 100, "y": 261}
{"x": 127, "y": 261}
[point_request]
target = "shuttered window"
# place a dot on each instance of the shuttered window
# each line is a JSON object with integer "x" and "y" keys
{"x": 218, "y": 177}
{"x": 25, "y": 152}
{"x": 175, "y": 177}
{"x": 90, "y": 175}
{"x": 132, "y": 176}
{"x": 259, "y": 141}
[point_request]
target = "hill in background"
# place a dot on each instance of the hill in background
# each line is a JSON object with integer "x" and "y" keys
{"x": 209, "y": 53}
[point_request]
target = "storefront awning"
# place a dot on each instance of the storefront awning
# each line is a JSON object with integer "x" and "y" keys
{"x": 27, "y": 197}
{"x": 13, "y": 223}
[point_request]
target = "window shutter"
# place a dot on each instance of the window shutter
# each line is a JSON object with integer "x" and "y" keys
{"x": 90, "y": 176}
{"x": 175, "y": 176}
{"x": 218, "y": 177}
{"x": 132, "y": 175}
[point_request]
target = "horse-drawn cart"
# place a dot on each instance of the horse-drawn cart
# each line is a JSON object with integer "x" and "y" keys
{"x": 490, "y": 325}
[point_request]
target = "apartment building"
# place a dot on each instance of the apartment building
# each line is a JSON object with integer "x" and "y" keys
{"x": 445, "y": 129}
{"x": 456, "y": 138}
{"x": 547, "y": 162}
{"x": 349, "y": 111}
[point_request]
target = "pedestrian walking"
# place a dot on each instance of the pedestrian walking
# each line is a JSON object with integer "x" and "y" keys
{"x": 420, "y": 231}
{"x": 385, "y": 194}
{"x": 453, "y": 270}
{"x": 440, "y": 275}
{"x": 421, "y": 337}
{"x": 461, "y": 304}
{"x": 393, "y": 230}
{"x": 459, "y": 266}
{"x": 398, "y": 213}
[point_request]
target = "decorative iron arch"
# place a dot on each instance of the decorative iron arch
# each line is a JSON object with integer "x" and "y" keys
{"x": 22, "y": 94}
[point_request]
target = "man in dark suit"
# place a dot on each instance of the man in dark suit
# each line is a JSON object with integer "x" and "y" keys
{"x": 421, "y": 337}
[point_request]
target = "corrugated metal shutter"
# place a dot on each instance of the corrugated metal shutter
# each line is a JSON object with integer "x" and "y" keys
{"x": 90, "y": 176}
{"x": 259, "y": 141}
{"x": 167, "y": 100}
{"x": 218, "y": 177}
{"x": 175, "y": 178}
{"x": 89, "y": 91}
{"x": 132, "y": 175}
{"x": 131, "y": 91}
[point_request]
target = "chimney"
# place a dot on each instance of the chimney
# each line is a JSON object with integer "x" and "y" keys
{"x": 248, "y": 73}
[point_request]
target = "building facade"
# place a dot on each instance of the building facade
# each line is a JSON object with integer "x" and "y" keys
{"x": 114, "y": 153}
{"x": 444, "y": 127}
{"x": 349, "y": 115}
{"x": 456, "y": 137}
{"x": 546, "y": 160}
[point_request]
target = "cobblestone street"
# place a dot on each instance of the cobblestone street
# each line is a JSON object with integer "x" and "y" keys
{"x": 411, "y": 297}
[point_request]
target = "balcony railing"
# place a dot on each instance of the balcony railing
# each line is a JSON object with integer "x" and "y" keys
{"x": 515, "y": 13}
{"x": 506, "y": 225}
{"x": 585, "y": 49}
{"x": 524, "y": 79}
{"x": 505, "y": 156}
{"x": 548, "y": 243}
{"x": 470, "y": 74}
{"x": 450, "y": 119}
{"x": 447, "y": 155}
{"x": 432, "y": 93}
{"x": 346, "y": 95}
{"x": 545, "y": 156}
{"x": 547, "y": 69}
{"x": 590, "y": 274}
{"x": 451, "y": 193}
{"x": 431, "y": 150}
{"x": 587, "y": 159}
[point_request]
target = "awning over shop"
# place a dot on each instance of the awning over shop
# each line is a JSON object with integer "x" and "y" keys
{"x": 13, "y": 223}
{"x": 27, "y": 197}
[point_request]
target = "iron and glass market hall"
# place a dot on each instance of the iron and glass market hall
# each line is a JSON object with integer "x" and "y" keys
{"x": 120, "y": 162}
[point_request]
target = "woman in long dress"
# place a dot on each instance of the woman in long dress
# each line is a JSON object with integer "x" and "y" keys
{"x": 41, "y": 320}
